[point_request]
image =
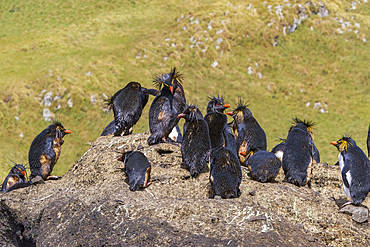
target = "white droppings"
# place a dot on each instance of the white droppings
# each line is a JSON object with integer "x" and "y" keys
{"x": 48, "y": 99}
{"x": 250, "y": 71}
{"x": 21, "y": 135}
{"x": 69, "y": 102}
{"x": 308, "y": 104}
{"x": 210, "y": 25}
{"x": 214, "y": 64}
{"x": 16, "y": 118}
{"x": 46, "y": 114}
{"x": 88, "y": 73}
{"x": 316, "y": 105}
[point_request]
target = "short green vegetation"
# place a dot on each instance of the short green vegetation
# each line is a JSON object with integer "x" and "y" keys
{"x": 83, "y": 51}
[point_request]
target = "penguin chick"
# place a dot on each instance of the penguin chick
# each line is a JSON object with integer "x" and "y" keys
{"x": 45, "y": 150}
{"x": 249, "y": 134}
{"x": 196, "y": 142}
{"x": 298, "y": 160}
{"x": 225, "y": 174}
{"x": 166, "y": 106}
{"x": 263, "y": 166}
{"x": 128, "y": 104}
{"x": 15, "y": 179}
{"x": 355, "y": 170}
{"x": 137, "y": 169}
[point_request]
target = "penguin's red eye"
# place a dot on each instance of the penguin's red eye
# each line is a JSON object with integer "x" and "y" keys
{"x": 217, "y": 104}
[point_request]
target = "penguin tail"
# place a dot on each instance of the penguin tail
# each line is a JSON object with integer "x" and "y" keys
{"x": 154, "y": 139}
{"x": 229, "y": 194}
{"x": 108, "y": 103}
{"x": 194, "y": 172}
{"x": 298, "y": 182}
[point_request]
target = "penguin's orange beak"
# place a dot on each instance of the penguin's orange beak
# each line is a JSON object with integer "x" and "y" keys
{"x": 226, "y": 105}
{"x": 23, "y": 173}
{"x": 243, "y": 153}
{"x": 181, "y": 115}
{"x": 171, "y": 89}
{"x": 67, "y": 131}
{"x": 119, "y": 159}
{"x": 230, "y": 113}
{"x": 334, "y": 143}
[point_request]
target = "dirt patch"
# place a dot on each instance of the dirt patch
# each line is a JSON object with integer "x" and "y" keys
{"x": 92, "y": 206}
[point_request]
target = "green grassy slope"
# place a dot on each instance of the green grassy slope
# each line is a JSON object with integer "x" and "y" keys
{"x": 79, "y": 49}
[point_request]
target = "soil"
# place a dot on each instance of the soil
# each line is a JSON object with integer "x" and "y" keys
{"x": 92, "y": 205}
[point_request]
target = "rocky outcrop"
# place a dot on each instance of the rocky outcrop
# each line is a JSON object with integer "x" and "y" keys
{"x": 92, "y": 206}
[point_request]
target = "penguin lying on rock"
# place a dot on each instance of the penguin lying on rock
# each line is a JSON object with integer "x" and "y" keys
{"x": 15, "y": 179}
{"x": 196, "y": 143}
{"x": 137, "y": 169}
{"x": 45, "y": 150}
{"x": 355, "y": 170}
{"x": 263, "y": 166}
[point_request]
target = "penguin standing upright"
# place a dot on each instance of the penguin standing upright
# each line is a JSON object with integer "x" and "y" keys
{"x": 45, "y": 150}
{"x": 298, "y": 153}
{"x": 15, "y": 179}
{"x": 368, "y": 142}
{"x": 137, "y": 169}
{"x": 216, "y": 121}
{"x": 225, "y": 170}
{"x": 263, "y": 166}
{"x": 196, "y": 142}
{"x": 128, "y": 104}
{"x": 249, "y": 134}
{"x": 355, "y": 170}
{"x": 166, "y": 106}
{"x": 225, "y": 173}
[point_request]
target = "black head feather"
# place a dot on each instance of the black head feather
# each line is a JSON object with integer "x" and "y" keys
{"x": 241, "y": 105}
{"x": 168, "y": 79}
{"x": 281, "y": 140}
{"x": 309, "y": 125}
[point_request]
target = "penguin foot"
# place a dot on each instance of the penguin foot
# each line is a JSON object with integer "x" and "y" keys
{"x": 53, "y": 177}
{"x": 345, "y": 204}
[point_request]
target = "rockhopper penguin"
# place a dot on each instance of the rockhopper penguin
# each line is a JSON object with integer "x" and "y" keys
{"x": 196, "y": 143}
{"x": 355, "y": 170}
{"x": 137, "y": 169}
{"x": 15, "y": 179}
{"x": 249, "y": 134}
{"x": 45, "y": 150}
{"x": 127, "y": 104}
{"x": 298, "y": 159}
{"x": 166, "y": 106}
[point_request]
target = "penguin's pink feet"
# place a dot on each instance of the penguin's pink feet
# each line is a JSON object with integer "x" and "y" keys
{"x": 53, "y": 177}
{"x": 347, "y": 203}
